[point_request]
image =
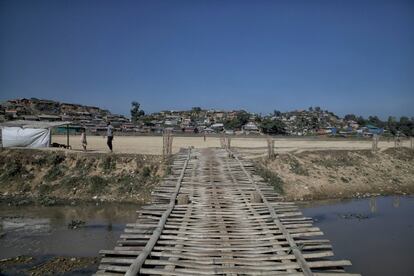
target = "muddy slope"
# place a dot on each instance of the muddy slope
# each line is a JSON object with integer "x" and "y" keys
{"x": 340, "y": 174}
{"x": 48, "y": 176}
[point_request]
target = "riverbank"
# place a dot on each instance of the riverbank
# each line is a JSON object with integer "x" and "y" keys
{"x": 50, "y": 177}
{"x": 315, "y": 175}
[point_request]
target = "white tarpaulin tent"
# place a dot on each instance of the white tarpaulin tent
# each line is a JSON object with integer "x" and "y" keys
{"x": 25, "y": 137}
{"x": 28, "y": 134}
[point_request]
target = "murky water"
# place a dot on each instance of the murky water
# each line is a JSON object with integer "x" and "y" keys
{"x": 376, "y": 235}
{"x": 37, "y": 230}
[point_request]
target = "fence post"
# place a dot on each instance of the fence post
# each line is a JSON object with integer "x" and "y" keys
{"x": 270, "y": 147}
{"x": 164, "y": 148}
{"x": 167, "y": 140}
{"x": 170, "y": 143}
{"x": 222, "y": 141}
{"x": 412, "y": 142}
{"x": 375, "y": 139}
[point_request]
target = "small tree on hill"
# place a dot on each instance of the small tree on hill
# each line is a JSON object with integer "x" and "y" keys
{"x": 269, "y": 126}
{"x": 136, "y": 113}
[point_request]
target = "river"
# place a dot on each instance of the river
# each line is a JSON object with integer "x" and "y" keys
{"x": 376, "y": 234}
{"x": 43, "y": 232}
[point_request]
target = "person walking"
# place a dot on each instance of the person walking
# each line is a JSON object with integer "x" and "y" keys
{"x": 109, "y": 135}
{"x": 83, "y": 139}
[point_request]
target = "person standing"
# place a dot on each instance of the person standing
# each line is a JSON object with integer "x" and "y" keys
{"x": 109, "y": 135}
{"x": 83, "y": 139}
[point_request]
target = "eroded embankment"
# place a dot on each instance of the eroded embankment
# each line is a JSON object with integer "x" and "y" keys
{"x": 47, "y": 177}
{"x": 340, "y": 173}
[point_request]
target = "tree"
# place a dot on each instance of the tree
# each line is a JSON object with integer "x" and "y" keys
{"x": 270, "y": 126}
{"x": 374, "y": 120}
{"x": 351, "y": 117}
{"x": 361, "y": 121}
{"x": 392, "y": 125}
{"x": 237, "y": 122}
{"x": 277, "y": 113}
{"x": 136, "y": 113}
{"x": 406, "y": 126}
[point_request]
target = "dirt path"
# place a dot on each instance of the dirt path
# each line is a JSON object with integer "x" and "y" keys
{"x": 251, "y": 146}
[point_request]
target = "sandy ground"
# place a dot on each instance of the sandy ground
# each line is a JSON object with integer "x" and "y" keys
{"x": 249, "y": 146}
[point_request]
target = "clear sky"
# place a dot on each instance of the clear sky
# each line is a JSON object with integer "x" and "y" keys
{"x": 351, "y": 56}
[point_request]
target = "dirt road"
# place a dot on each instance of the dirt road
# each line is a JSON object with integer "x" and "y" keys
{"x": 250, "y": 146}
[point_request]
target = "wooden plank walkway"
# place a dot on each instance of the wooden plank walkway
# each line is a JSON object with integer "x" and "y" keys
{"x": 233, "y": 224}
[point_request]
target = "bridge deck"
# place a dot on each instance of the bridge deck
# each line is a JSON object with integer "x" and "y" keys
{"x": 233, "y": 224}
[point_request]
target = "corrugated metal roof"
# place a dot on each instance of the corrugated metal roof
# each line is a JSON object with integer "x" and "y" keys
{"x": 33, "y": 124}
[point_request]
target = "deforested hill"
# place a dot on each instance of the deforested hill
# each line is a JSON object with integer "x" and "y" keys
{"x": 35, "y": 109}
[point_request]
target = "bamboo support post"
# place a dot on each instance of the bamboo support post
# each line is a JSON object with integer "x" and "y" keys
{"x": 167, "y": 142}
{"x": 170, "y": 143}
{"x": 67, "y": 136}
{"x": 375, "y": 140}
{"x": 222, "y": 142}
{"x": 270, "y": 148}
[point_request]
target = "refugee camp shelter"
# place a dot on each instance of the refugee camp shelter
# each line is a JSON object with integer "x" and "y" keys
{"x": 28, "y": 134}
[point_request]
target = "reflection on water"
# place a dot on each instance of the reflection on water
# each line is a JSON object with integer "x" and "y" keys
{"x": 40, "y": 231}
{"x": 373, "y": 205}
{"x": 376, "y": 234}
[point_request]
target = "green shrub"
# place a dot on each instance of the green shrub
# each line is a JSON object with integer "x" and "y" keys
{"x": 13, "y": 170}
{"x": 97, "y": 184}
{"x": 108, "y": 164}
{"x": 146, "y": 172}
{"x": 297, "y": 168}
{"x": 271, "y": 178}
{"x": 56, "y": 158}
{"x": 54, "y": 172}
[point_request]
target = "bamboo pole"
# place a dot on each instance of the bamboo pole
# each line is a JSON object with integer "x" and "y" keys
{"x": 170, "y": 143}
{"x": 67, "y": 135}
{"x": 270, "y": 147}
{"x": 375, "y": 140}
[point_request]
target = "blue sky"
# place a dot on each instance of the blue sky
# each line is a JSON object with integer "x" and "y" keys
{"x": 354, "y": 56}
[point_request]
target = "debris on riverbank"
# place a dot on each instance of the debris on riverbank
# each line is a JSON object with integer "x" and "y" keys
{"x": 316, "y": 175}
{"x": 27, "y": 265}
{"x": 60, "y": 265}
{"x": 75, "y": 224}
